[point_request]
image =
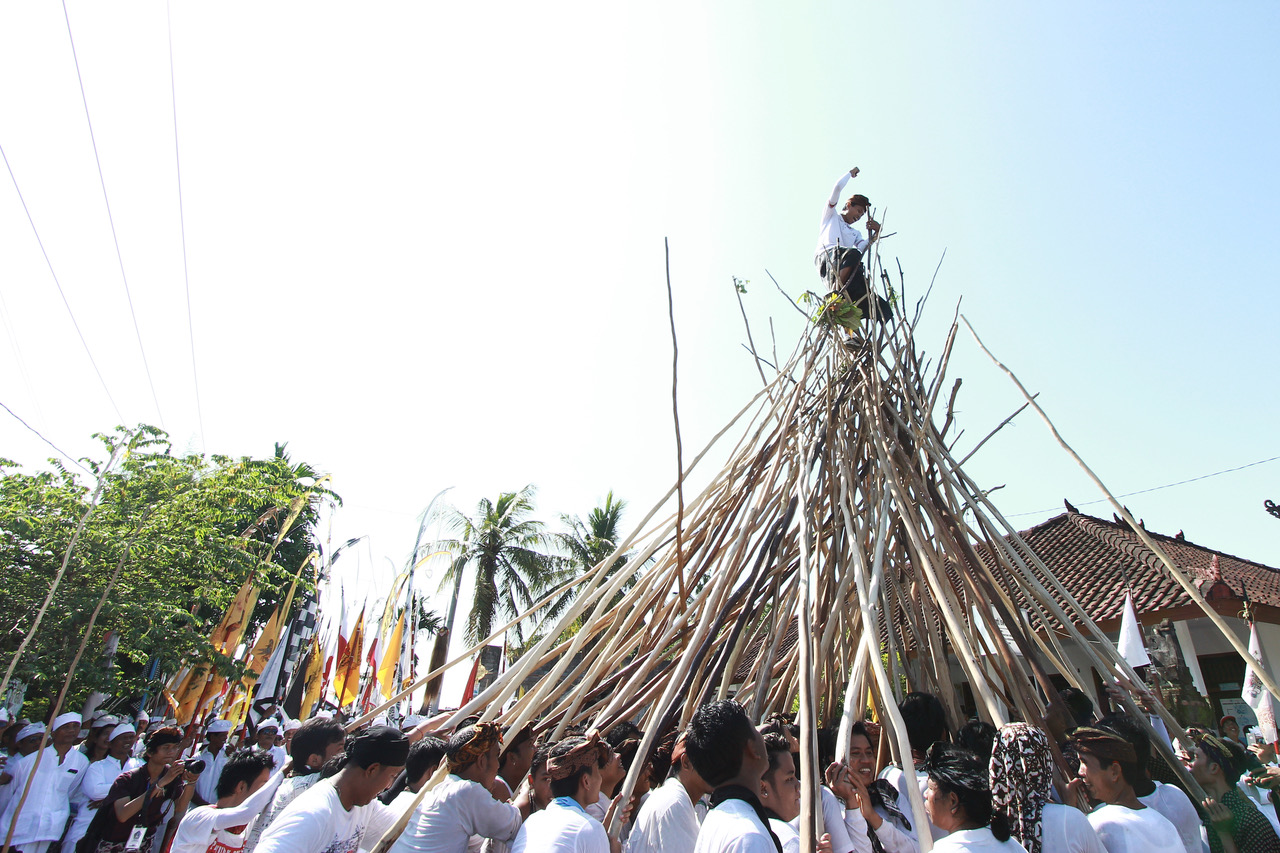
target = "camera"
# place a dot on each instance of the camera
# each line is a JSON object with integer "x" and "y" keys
{"x": 194, "y": 765}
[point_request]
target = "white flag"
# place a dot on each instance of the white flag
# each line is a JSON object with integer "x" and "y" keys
{"x": 1130, "y": 643}
{"x": 1255, "y": 693}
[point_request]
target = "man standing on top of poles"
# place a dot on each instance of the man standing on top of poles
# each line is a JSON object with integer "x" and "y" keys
{"x": 841, "y": 247}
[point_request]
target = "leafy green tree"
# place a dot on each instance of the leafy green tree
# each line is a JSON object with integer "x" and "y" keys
{"x": 509, "y": 553}
{"x": 190, "y": 529}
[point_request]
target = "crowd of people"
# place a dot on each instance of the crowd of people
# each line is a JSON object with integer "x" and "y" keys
{"x": 724, "y": 783}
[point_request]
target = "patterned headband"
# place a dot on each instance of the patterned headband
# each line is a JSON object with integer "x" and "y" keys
{"x": 485, "y": 736}
{"x": 1103, "y": 744}
{"x": 592, "y": 752}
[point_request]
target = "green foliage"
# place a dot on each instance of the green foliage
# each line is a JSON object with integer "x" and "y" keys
{"x": 833, "y": 310}
{"x": 194, "y": 528}
{"x": 741, "y": 284}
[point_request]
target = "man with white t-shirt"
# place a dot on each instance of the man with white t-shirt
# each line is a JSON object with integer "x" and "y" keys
{"x": 337, "y": 815}
{"x": 462, "y": 806}
{"x": 61, "y": 770}
{"x": 214, "y": 756}
{"x": 1108, "y": 770}
{"x": 668, "y": 819}
{"x": 1169, "y": 800}
{"x": 318, "y": 740}
{"x": 574, "y": 766}
{"x": 729, "y": 753}
{"x": 244, "y": 789}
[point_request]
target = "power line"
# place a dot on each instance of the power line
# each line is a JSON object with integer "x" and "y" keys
{"x": 1154, "y": 488}
{"x": 111, "y": 219}
{"x": 182, "y": 225}
{"x": 61, "y": 453}
{"x": 58, "y": 284}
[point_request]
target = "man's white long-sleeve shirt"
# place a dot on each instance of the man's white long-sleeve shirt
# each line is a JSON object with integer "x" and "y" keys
{"x": 833, "y": 230}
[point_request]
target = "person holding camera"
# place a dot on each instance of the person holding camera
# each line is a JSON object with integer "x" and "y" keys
{"x": 134, "y": 808}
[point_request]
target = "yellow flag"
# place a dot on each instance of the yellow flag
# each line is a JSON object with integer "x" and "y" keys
{"x": 194, "y": 686}
{"x": 346, "y": 681}
{"x": 390, "y": 656}
{"x": 313, "y": 679}
{"x": 272, "y": 634}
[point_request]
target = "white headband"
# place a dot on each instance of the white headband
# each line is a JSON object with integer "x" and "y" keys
{"x": 66, "y": 720}
{"x": 29, "y": 730}
{"x": 122, "y": 729}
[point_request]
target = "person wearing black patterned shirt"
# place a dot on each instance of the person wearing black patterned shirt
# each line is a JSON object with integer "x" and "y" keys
{"x": 1216, "y": 764}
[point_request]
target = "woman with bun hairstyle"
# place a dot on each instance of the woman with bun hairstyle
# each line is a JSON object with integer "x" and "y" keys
{"x": 958, "y": 801}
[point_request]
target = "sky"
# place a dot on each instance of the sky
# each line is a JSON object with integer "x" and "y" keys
{"x": 424, "y": 243}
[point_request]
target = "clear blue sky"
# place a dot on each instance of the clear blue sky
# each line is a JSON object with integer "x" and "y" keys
{"x": 425, "y": 244}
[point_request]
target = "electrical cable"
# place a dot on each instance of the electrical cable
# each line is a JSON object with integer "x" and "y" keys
{"x": 182, "y": 226}
{"x": 61, "y": 452}
{"x": 58, "y": 284}
{"x": 1153, "y": 488}
{"x": 111, "y": 219}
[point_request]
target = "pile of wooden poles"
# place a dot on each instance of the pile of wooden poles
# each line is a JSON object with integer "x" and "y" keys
{"x": 839, "y": 559}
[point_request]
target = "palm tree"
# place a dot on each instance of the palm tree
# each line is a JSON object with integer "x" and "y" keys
{"x": 508, "y": 550}
{"x": 587, "y": 543}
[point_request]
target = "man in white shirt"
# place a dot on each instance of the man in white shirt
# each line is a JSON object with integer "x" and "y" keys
{"x": 780, "y": 794}
{"x": 341, "y": 814}
{"x": 43, "y": 816}
{"x": 318, "y": 740}
{"x": 668, "y": 820}
{"x": 730, "y": 755}
{"x": 564, "y": 826}
{"x": 243, "y": 790}
{"x": 140, "y": 724}
{"x": 424, "y": 759}
{"x": 926, "y": 722}
{"x": 1169, "y": 800}
{"x": 214, "y": 756}
{"x": 268, "y": 731}
{"x": 98, "y": 780}
{"x": 461, "y": 806}
{"x": 840, "y": 248}
{"x": 1108, "y": 770}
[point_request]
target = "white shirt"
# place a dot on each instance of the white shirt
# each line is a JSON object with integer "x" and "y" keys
{"x": 288, "y": 791}
{"x": 734, "y": 827}
{"x": 207, "y": 781}
{"x": 600, "y": 808}
{"x": 451, "y": 813}
{"x": 96, "y": 785}
{"x": 787, "y": 834}
{"x": 1125, "y": 830}
{"x": 44, "y": 814}
{"x": 833, "y": 230}
{"x": 205, "y": 829}
{"x": 316, "y": 822}
{"x": 1067, "y": 830}
{"x": 562, "y": 827}
{"x": 667, "y": 821}
{"x": 972, "y": 840}
{"x": 897, "y": 777}
{"x": 1174, "y": 804}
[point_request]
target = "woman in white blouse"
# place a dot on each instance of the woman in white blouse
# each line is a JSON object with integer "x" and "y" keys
{"x": 958, "y": 801}
{"x": 1021, "y": 776}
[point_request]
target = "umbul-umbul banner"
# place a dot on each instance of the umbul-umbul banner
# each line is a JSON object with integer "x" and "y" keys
{"x": 1254, "y": 693}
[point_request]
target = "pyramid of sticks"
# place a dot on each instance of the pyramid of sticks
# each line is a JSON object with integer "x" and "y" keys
{"x": 841, "y": 558}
